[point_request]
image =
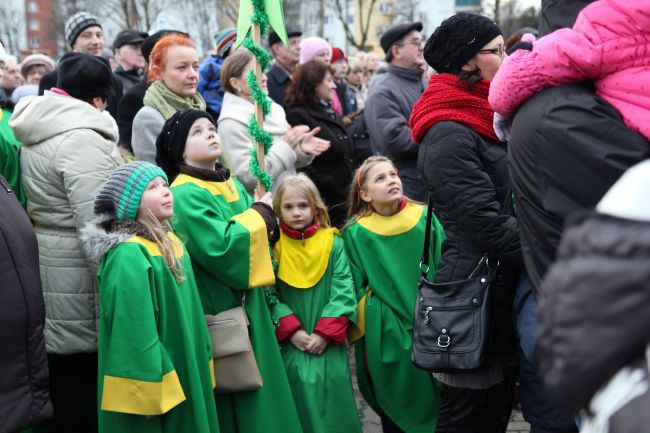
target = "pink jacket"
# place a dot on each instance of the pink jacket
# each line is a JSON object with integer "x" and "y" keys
{"x": 609, "y": 43}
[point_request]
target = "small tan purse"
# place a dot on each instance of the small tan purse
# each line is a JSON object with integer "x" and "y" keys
{"x": 235, "y": 367}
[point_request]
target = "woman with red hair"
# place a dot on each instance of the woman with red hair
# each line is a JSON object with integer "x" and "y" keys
{"x": 173, "y": 78}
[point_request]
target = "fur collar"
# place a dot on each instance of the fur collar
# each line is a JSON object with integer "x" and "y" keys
{"x": 104, "y": 232}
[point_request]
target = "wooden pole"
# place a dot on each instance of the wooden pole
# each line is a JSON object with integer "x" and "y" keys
{"x": 259, "y": 114}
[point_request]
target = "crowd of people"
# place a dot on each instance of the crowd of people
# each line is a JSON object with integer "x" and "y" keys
{"x": 130, "y": 216}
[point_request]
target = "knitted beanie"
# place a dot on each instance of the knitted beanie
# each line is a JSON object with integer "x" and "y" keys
{"x": 77, "y": 23}
{"x": 224, "y": 39}
{"x": 84, "y": 76}
{"x": 310, "y": 47}
{"x": 458, "y": 39}
{"x": 337, "y": 54}
{"x": 170, "y": 143}
{"x": 121, "y": 194}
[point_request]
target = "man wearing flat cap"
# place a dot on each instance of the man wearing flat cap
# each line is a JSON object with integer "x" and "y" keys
{"x": 129, "y": 58}
{"x": 389, "y": 103}
{"x": 286, "y": 60}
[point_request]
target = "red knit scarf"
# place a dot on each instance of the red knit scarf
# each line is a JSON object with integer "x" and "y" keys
{"x": 447, "y": 99}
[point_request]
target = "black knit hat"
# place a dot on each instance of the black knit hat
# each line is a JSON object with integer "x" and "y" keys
{"x": 85, "y": 76}
{"x": 458, "y": 39}
{"x": 170, "y": 144}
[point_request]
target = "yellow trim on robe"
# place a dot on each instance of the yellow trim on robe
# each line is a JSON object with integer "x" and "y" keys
{"x": 397, "y": 224}
{"x": 227, "y": 189}
{"x": 302, "y": 263}
{"x": 260, "y": 271}
{"x": 140, "y": 397}
{"x": 357, "y": 328}
{"x": 152, "y": 247}
{"x": 214, "y": 380}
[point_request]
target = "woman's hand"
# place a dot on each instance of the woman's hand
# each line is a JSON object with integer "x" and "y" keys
{"x": 313, "y": 145}
{"x": 301, "y": 340}
{"x": 295, "y": 134}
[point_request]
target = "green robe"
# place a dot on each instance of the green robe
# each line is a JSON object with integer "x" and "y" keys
{"x": 228, "y": 244}
{"x": 155, "y": 356}
{"x": 384, "y": 257}
{"x": 313, "y": 285}
{"x": 9, "y": 157}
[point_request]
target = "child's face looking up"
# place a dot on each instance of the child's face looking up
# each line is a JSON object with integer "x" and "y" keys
{"x": 295, "y": 210}
{"x": 382, "y": 185}
{"x": 203, "y": 146}
{"x": 158, "y": 198}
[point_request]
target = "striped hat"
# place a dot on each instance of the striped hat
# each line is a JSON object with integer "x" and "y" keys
{"x": 77, "y": 23}
{"x": 224, "y": 39}
{"x": 121, "y": 194}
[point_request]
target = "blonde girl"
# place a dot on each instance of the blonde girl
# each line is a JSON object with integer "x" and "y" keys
{"x": 317, "y": 303}
{"x": 155, "y": 357}
{"x": 384, "y": 241}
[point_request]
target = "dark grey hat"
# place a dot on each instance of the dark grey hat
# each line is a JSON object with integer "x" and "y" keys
{"x": 126, "y": 37}
{"x": 274, "y": 38}
{"x": 85, "y": 76}
{"x": 395, "y": 33}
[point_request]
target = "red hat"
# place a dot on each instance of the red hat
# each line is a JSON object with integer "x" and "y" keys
{"x": 338, "y": 54}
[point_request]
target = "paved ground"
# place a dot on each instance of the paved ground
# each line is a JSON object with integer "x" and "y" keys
{"x": 371, "y": 424}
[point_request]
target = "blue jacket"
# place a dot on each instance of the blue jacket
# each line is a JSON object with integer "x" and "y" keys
{"x": 210, "y": 82}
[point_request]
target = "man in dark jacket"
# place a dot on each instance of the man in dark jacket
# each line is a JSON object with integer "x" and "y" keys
{"x": 286, "y": 60}
{"x": 84, "y": 34}
{"x": 24, "y": 393}
{"x": 390, "y": 100}
{"x": 129, "y": 58}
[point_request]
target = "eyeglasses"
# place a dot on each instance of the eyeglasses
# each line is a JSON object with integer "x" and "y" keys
{"x": 416, "y": 42}
{"x": 499, "y": 51}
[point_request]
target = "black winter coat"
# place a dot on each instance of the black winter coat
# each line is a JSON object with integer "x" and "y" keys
{"x": 332, "y": 170}
{"x": 594, "y": 309}
{"x": 567, "y": 148}
{"x": 467, "y": 177}
{"x": 24, "y": 393}
{"x": 129, "y": 106}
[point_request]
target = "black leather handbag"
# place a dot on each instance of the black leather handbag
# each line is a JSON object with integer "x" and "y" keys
{"x": 452, "y": 320}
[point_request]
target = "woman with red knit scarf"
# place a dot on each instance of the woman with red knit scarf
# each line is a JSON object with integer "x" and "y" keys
{"x": 465, "y": 168}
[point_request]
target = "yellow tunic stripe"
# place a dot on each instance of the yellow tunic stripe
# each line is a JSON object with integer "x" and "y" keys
{"x": 227, "y": 189}
{"x": 394, "y": 225}
{"x": 214, "y": 380}
{"x": 152, "y": 247}
{"x": 357, "y": 328}
{"x": 260, "y": 267}
{"x": 141, "y": 397}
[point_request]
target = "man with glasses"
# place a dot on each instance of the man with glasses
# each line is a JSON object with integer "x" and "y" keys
{"x": 390, "y": 99}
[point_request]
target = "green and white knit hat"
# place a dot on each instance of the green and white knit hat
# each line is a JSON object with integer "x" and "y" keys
{"x": 121, "y": 194}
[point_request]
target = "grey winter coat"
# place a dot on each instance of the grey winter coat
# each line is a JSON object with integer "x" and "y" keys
{"x": 387, "y": 112}
{"x": 68, "y": 152}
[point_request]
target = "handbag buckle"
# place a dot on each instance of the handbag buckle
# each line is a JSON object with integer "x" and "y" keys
{"x": 444, "y": 341}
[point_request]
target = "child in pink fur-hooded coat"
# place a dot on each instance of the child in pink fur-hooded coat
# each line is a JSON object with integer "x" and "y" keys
{"x": 609, "y": 44}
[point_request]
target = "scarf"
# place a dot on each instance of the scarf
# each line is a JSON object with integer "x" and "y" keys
{"x": 447, "y": 99}
{"x": 166, "y": 102}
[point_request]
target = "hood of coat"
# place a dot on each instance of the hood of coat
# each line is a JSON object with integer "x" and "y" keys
{"x": 40, "y": 118}
{"x": 103, "y": 232}
{"x": 240, "y": 109}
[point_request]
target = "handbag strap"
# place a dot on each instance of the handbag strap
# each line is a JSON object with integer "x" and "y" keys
{"x": 424, "y": 261}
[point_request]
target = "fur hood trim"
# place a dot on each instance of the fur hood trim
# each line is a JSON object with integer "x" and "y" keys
{"x": 104, "y": 232}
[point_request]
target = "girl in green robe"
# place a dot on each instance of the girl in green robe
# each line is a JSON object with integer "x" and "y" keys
{"x": 384, "y": 241}
{"x": 227, "y": 236}
{"x": 317, "y": 293}
{"x": 155, "y": 357}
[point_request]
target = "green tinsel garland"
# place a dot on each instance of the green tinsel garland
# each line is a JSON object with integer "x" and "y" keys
{"x": 257, "y": 94}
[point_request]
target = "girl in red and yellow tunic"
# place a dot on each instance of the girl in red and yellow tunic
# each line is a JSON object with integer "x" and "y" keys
{"x": 317, "y": 302}
{"x": 384, "y": 241}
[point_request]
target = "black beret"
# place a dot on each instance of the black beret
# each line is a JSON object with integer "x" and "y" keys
{"x": 170, "y": 143}
{"x": 85, "y": 76}
{"x": 458, "y": 39}
{"x": 395, "y": 33}
{"x": 274, "y": 38}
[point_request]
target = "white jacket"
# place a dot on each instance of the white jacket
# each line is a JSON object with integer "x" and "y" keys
{"x": 281, "y": 161}
{"x": 68, "y": 152}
